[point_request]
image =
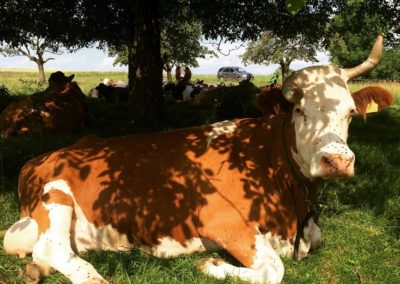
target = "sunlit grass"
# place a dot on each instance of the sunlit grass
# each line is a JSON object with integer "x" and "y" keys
{"x": 14, "y": 80}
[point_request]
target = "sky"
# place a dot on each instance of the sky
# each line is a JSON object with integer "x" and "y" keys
{"x": 92, "y": 59}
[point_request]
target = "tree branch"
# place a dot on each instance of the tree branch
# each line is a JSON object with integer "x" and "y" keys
{"x": 217, "y": 46}
{"x": 48, "y": 59}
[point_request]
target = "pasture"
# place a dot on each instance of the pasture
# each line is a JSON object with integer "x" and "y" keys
{"x": 359, "y": 217}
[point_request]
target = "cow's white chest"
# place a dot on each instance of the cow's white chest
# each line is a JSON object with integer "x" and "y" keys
{"x": 283, "y": 247}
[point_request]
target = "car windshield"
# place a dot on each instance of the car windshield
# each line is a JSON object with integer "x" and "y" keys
{"x": 240, "y": 69}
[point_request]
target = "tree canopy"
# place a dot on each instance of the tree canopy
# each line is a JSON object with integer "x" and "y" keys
{"x": 355, "y": 31}
{"x": 180, "y": 44}
{"x": 137, "y": 24}
{"x": 272, "y": 49}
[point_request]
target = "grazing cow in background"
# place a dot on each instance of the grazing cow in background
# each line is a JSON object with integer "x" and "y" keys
{"x": 246, "y": 90}
{"x": 188, "y": 74}
{"x": 60, "y": 108}
{"x": 178, "y": 73}
{"x": 190, "y": 91}
{"x": 93, "y": 93}
{"x": 182, "y": 83}
{"x": 246, "y": 186}
{"x": 114, "y": 83}
{"x": 110, "y": 90}
{"x": 112, "y": 94}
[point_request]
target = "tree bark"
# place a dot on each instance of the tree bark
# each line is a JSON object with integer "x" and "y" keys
{"x": 146, "y": 102}
{"x": 284, "y": 69}
{"x": 42, "y": 76}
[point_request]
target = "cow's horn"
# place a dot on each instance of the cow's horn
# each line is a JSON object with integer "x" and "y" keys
{"x": 370, "y": 63}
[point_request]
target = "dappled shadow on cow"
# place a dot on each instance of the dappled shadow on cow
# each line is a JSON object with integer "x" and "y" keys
{"x": 246, "y": 186}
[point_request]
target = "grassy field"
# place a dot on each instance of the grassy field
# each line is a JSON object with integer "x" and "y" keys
{"x": 360, "y": 217}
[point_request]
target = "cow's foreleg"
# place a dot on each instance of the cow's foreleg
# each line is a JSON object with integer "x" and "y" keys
{"x": 313, "y": 233}
{"x": 54, "y": 247}
{"x": 311, "y": 239}
{"x": 261, "y": 261}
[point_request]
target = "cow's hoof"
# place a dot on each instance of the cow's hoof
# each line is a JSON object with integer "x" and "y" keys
{"x": 34, "y": 273}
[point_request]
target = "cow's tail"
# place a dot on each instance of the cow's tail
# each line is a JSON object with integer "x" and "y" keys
{"x": 21, "y": 237}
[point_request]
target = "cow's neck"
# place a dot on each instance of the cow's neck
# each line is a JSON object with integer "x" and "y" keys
{"x": 302, "y": 190}
{"x": 307, "y": 187}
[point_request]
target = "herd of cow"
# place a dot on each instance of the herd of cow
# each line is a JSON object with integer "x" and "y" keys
{"x": 246, "y": 186}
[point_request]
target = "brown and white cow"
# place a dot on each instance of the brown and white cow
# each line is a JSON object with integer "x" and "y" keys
{"x": 246, "y": 186}
{"x": 60, "y": 108}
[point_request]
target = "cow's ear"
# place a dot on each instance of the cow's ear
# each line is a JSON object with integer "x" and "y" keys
{"x": 69, "y": 79}
{"x": 371, "y": 99}
{"x": 272, "y": 102}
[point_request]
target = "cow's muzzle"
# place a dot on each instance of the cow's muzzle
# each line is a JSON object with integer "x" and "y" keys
{"x": 337, "y": 165}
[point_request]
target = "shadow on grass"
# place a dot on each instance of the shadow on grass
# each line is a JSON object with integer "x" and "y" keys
{"x": 376, "y": 185}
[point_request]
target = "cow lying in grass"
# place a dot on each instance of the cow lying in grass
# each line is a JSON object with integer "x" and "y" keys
{"x": 112, "y": 94}
{"x": 60, "y": 108}
{"x": 246, "y": 186}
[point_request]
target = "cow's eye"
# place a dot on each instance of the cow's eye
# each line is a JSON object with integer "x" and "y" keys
{"x": 299, "y": 111}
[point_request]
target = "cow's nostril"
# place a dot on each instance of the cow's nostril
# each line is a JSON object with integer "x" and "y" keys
{"x": 326, "y": 161}
{"x": 337, "y": 164}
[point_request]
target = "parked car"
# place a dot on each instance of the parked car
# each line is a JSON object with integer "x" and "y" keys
{"x": 233, "y": 73}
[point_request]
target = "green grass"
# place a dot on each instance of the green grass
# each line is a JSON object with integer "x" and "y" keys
{"x": 23, "y": 83}
{"x": 360, "y": 217}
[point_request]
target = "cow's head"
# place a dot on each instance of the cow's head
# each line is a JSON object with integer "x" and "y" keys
{"x": 58, "y": 81}
{"x": 322, "y": 110}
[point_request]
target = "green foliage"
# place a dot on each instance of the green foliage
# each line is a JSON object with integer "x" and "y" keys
{"x": 180, "y": 44}
{"x": 294, "y": 6}
{"x": 81, "y": 23}
{"x": 32, "y": 86}
{"x": 389, "y": 67}
{"x": 272, "y": 49}
{"x": 355, "y": 31}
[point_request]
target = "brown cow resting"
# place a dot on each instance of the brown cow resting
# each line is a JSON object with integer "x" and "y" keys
{"x": 60, "y": 108}
{"x": 246, "y": 186}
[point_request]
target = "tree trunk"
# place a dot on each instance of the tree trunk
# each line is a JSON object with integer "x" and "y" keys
{"x": 42, "y": 76}
{"x": 146, "y": 102}
{"x": 284, "y": 69}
